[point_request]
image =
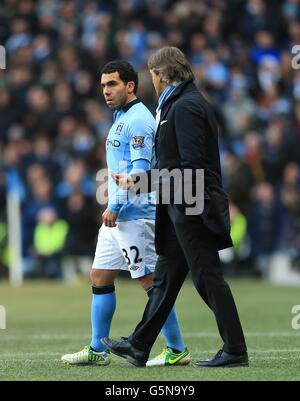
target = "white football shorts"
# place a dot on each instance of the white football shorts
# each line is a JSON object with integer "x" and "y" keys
{"x": 129, "y": 246}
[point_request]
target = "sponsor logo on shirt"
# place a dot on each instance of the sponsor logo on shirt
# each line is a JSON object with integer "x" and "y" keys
{"x": 115, "y": 143}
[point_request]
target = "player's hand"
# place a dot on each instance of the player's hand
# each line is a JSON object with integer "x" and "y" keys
{"x": 124, "y": 181}
{"x": 109, "y": 218}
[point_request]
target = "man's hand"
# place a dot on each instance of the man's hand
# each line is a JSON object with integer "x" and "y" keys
{"x": 124, "y": 181}
{"x": 109, "y": 218}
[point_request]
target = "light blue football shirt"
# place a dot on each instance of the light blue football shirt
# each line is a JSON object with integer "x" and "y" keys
{"x": 130, "y": 138}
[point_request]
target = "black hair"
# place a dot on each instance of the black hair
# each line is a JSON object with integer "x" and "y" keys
{"x": 125, "y": 70}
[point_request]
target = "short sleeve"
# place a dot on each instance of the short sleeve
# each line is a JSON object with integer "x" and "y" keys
{"x": 141, "y": 139}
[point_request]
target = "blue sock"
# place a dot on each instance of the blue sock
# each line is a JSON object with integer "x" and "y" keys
{"x": 171, "y": 330}
{"x": 172, "y": 333}
{"x": 102, "y": 310}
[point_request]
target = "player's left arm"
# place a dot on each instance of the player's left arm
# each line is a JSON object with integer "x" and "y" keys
{"x": 141, "y": 140}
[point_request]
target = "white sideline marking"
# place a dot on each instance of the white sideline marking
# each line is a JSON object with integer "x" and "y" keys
{"x": 258, "y": 351}
{"x": 8, "y": 354}
{"x": 255, "y": 358}
{"x": 199, "y": 352}
{"x": 6, "y": 336}
{"x": 28, "y": 360}
{"x": 46, "y": 336}
{"x": 274, "y": 358}
{"x": 247, "y": 334}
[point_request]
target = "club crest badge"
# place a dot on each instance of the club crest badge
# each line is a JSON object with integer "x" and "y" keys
{"x": 119, "y": 128}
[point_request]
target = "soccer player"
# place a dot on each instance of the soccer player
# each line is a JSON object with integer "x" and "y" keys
{"x": 187, "y": 139}
{"x": 126, "y": 237}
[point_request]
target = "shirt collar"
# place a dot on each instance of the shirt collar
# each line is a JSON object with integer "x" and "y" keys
{"x": 130, "y": 104}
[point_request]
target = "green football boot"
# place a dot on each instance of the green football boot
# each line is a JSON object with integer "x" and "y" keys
{"x": 169, "y": 358}
{"x": 86, "y": 357}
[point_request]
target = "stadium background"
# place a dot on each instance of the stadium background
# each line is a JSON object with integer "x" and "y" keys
{"x": 53, "y": 125}
{"x": 54, "y": 122}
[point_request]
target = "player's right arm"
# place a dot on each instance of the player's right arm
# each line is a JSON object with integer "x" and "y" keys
{"x": 109, "y": 218}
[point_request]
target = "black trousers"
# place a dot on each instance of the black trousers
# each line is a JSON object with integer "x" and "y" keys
{"x": 189, "y": 246}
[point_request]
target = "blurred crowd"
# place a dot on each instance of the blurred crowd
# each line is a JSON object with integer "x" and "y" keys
{"x": 54, "y": 122}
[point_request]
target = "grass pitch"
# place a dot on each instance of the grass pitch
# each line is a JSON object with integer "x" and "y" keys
{"x": 46, "y": 320}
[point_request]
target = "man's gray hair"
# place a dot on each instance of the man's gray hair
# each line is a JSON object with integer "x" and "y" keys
{"x": 171, "y": 64}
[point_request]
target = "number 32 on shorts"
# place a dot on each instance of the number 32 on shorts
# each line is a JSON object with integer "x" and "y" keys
{"x": 132, "y": 256}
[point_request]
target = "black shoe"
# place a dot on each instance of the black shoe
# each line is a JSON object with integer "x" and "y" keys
{"x": 224, "y": 360}
{"x": 125, "y": 350}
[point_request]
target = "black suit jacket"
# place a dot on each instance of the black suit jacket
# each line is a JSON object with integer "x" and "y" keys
{"x": 187, "y": 138}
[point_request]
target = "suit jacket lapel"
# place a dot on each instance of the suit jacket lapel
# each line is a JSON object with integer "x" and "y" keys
{"x": 166, "y": 107}
{"x": 164, "y": 113}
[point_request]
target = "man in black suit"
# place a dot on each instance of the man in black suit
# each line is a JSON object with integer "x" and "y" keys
{"x": 186, "y": 139}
